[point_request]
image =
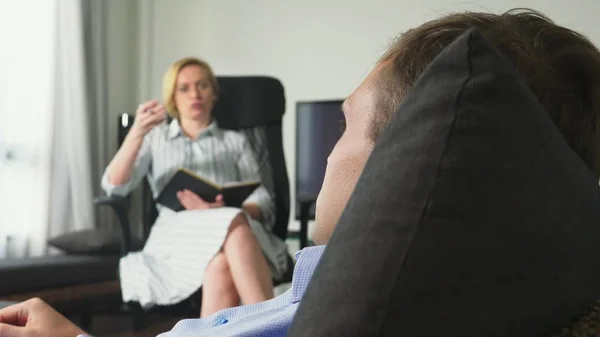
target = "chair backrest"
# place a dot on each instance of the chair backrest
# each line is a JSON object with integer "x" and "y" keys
{"x": 254, "y": 106}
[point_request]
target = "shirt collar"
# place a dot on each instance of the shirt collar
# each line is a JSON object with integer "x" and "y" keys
{"x": 175, "y": 129}
{"x": 306, "y": 261}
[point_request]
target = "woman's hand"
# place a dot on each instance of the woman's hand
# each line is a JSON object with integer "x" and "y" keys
{"x": 147, "y": 116}
{"x": 190, "y": 200}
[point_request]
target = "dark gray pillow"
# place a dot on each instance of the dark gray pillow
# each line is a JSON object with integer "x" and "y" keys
{"x": 472, "y": 218}
{"x": 89, "y": 242}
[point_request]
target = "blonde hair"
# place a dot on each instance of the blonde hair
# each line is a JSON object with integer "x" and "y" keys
{"x": 170, "y": 81}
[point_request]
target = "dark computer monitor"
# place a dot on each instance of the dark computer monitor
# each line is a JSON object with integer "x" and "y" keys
{"x": 317, "y": 132}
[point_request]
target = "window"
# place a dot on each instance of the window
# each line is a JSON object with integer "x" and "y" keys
{"x": 27, "y": 35}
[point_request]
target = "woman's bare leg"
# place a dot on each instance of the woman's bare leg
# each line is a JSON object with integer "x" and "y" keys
{"x": 218, "y": 290}
{"x": 248, "y": 266}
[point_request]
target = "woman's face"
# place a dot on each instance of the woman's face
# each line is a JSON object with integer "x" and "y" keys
{"x": 194, "y": 95}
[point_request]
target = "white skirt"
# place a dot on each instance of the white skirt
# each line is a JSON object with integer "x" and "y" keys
{"x": 171, "y": 266}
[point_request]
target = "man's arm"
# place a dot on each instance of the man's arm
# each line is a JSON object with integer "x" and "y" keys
{"x": 35, "y": 318}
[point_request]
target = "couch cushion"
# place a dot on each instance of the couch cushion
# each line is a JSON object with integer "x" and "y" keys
{"x": 32, "y": 274}
{"x": 472, "y": 218}
{"x": 88, "y": 241}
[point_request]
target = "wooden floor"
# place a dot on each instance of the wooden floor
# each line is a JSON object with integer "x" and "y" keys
{"x": 121, "y": 326}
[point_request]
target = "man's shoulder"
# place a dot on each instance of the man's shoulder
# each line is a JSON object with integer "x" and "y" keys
{"x": 307, "y": 261}
{"x": 272, "y": 318}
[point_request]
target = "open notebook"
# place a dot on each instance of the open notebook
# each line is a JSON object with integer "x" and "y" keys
{"x": 234, "y": 193}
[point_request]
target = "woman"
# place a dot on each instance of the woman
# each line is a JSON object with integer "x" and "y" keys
{"x": 225, "y": 251}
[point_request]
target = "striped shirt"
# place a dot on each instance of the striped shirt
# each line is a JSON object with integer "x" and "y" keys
{"x": 216, "y": 154}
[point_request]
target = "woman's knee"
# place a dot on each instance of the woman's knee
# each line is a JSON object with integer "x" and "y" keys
{"x": 239, "y": 232}
{"x": 218, "y": 269}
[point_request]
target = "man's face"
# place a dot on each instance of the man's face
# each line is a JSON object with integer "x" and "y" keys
{"x": 347, "y": 160}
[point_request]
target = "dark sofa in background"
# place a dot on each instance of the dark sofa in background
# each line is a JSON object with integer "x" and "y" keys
{"x": 71, "y": 284}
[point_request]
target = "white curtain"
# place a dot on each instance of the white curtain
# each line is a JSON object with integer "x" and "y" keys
{"x": 71, "y": 193}
{"x": 26, "y": 99}
{"x": 103, "y": 124}
{"x": 46, "y": 187}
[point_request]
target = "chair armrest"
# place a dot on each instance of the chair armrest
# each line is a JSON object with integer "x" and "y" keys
{"x": 120, "y": 205}
{"x": 112, "y": 200}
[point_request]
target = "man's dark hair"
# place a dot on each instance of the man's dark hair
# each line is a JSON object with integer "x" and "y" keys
{"x": 561, "y": 67}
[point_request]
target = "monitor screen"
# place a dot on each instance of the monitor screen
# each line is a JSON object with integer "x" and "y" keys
{"x": 317, "y": 132}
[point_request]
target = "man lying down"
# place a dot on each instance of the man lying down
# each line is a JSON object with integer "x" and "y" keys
{"x": 551, "y": 59}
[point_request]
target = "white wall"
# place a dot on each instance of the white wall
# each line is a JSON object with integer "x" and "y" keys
{"x": 122, "y": 56}
{"x": 319, "y": 49}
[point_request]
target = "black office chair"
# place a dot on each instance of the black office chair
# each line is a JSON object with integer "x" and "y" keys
{"x": 254, "y": 106}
